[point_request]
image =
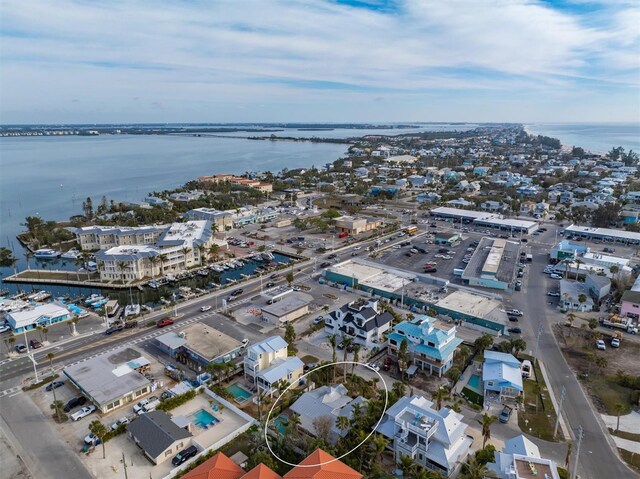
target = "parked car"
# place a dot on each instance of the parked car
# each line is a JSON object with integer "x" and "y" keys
{"x": 21, "y": 348}
{"x": 273, "y": 276}
{"x": 318, "y": 320}
{"x": 505, "y": 415}
{"x": 513, "y": 319}
{"x": 119, "y": 422}
{"x": 138, "y": 407}
{"x": 515, "y": 330}
{"x": 374, "y": 366}
{"x": 237, "y": 292}
{"x": 555, "y": 294}
{"x": 555, "y": 276}
{"x": 74, "y": 402}
{"x": 54, "y": 385}
{"x": 431, "y": 270}
{"x": 152, "y": 403}
{"x": 184, "y": 455}
{"x": 5, "y": 328}
{"x": 270, "y": 284}
{"x": 92, "y": 440}
{"x": 526, "y": 369}
{"x": 515, "y": 312}
{"x": 600, "y": 345}
{"x": 205, "y": 308}
{"x": 165, "y": 322}
{"x": 518, "y": 286}
{"x": 85, "y": 411}
{"x": 35, "y": 344}
{"x": 114, "y": 329}
{"x": 615, "y": 343}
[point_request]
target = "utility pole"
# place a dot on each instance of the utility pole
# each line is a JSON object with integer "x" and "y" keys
{"x": 559, "y": 411}
{"x": 535, "y": 354}
{"x": 576, "y": 462}
{"x": 124, "y": 463}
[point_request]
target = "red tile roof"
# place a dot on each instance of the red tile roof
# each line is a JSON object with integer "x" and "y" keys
{"x": 333, "y": 470}
{"x": 218, "y": 467}
{"x": 261, "y": 472}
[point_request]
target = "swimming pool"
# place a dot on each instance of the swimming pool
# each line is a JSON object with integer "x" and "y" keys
{"x": 239, "y": 393}
{"x": 280, "y": 423}
{"x": 203, "y": 419}
{"x": 475, "y": 382}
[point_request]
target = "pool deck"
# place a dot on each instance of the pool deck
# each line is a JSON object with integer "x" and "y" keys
{"x": 229, "y": 421}
{"x": 471, "y": 370}
{"x": 240, "y": 401}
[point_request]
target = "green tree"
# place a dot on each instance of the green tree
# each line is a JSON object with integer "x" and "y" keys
{"x": 536, "y": 387}
{"x": 483, "y": 342}
{"x": 87, "y": 208}
{"x": 483, "y": 456}
{"x": 473, "y": 469}
{"x": 403, "y": 357}
{"x": 486, "y": 421}
{"x": 289, "y": 277}
{"x": 290, "y": 338}
{"x": 346, "y": 341}
{"x": 261, "y": 457}
{"x": 57, "y": 406}
{"x": 100, "y": 431}
{"x": 442, "y": 394}
{"x": 620, "y": 409}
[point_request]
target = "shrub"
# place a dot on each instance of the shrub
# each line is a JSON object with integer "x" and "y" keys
{"x": 176, "y": 401}
{"x": 46, "y": 380}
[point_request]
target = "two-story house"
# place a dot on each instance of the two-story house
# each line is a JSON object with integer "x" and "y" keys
{"x": 362, "y": 320}
{"x": 501, "y": 376}
{"x": 436, "y": 440}
{"x": 431, "y": 343}
{"x": 267, "y": 363}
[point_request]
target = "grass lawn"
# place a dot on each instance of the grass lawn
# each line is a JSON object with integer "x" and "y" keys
{"x": 538, "y": 423}
{"x": 309, "y": 359}
{"x": 608, "y": 393}
{"x": 633, "y": 460}
{"x": 473, "y": 396}
{"x": 625, "y": 435}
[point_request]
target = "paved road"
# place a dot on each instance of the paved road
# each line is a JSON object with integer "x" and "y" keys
{"x": 44, "y": 452}
{"x": 597, "y": 459}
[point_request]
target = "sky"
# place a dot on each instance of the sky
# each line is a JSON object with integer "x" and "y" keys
{"x": 91, "y": 61}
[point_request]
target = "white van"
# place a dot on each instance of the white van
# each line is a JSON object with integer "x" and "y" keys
{"x": 526, "y": 369}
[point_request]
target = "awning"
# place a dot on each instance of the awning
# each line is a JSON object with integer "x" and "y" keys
{"x": 412, "y": 370}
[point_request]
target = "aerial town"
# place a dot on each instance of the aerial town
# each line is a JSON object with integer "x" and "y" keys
{"x": 435, "y": 305}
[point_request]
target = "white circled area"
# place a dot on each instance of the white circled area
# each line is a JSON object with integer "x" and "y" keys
{"x": 386, "y": 400}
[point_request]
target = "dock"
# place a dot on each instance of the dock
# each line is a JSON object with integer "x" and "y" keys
{"x": 67, "y": 278}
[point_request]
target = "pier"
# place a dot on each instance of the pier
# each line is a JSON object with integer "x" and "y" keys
{"x": 68, "y": 278}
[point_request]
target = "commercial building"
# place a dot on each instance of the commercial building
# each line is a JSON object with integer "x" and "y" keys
{"x": 45, "y": 315}
{"x": 158, "y": 436}
{"x": 431, "y": 343}
{"x": 220, "y": 220}
{"x": 199, "y": 345}
{"x": 355, "y": 226}
{"x": 328, "y": 402}
{"x": 493, "y": 264}
{"x": 362, "y": 320}
{"x": 603, "y": 234}
{"x": 501, "y": 376}
{"x": 436, "y": 440}
{"x": 288, "y": 309}
{"x": 520, "y": 459}
{"x": 574, "y": 296}
{"x": 630, "y": 302}
{"x": 566, "y": 250}
{"x": 111, "y": 380}
{"x": 448, "y": 239}
{"x": 93, "y": 238}
{"x": 485, "y": 220}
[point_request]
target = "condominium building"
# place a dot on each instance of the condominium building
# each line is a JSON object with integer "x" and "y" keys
{"x": 436, "y": 440}
{"x": 92, "y": 238}
{"x": 431, "y": 343}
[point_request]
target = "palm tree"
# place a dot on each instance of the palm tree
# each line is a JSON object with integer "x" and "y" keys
{"x": 379, "y": 445}
{"x": 214, "y": 249}
{"x": 100, "y": 431}
{"x": 566, "y": 263}
{"x": 487, "y": 420}
{"x": 185, "y": 251}
{"x": 201, "y": 249}
{"x": 57, "y": 407}
{"x": 356, "y": 357}
{"x": 578, "y": 262}
{"x": 406, "y": 465}
{"x": 39, "y": 329}
{"x": 45, "y": 331}
{"x": 619, "y": 408}
{"x": 342, "y": 423}
{"x": 614, "y": 269}
{"x": 50, "y": 357}
{"x": 537, "y": 390}
{"x": 163, "y": 259}
{"x": 122, "y": 266}
{"x": 472, "y": 469}
{"x": 442, "y": 394}
{"x": 11, "y": 341}
{"x": 571, "y": 317}
{"x": 153, "y": 261}
{"x": 346, "y": 341}
{"x": 399, "y": 389}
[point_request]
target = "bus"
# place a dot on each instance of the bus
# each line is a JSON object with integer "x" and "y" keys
{"x": 411, "y": 230}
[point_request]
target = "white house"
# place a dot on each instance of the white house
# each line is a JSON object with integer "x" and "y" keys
{"x": 436, "y": 440}
{"x": 361, "y": 320}
{"x": 520, "y": 459}
{"x": 266, "y": 363}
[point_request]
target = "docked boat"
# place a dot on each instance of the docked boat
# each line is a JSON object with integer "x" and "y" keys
{"x": 39, "y": 296}
{"x": 73, "y": 253}
{"x": 267, "y": 255}
{"x": 131, "y": 310}
{"x": 153, "y": 284}
{"x": 217, "y": 268}
{"x": 93, "y": 298}
{"x": 100, "y": 304}
{"x": 170, "y": 278}
{"x": 46, "y": 253}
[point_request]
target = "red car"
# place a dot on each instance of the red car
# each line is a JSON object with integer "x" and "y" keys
{"x": 166, "y": 322}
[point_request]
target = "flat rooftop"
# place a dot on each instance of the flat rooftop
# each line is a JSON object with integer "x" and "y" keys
{"x": 458, "y": 213}
{"x": 288, "y": 304}
{"x": 604, "y": 232}
{"x": 209, "y": 342}
{"x": 530, "y": 468}
{"x": 361, "y": 272}
{"x": 495, "y": 258}
{"x": 474, "y": 305}
{"x": 507, "y": 222}
{"x": 109, "y": 376}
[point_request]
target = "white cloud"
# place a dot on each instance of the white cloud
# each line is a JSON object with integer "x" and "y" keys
{"x": 265, "y": 50}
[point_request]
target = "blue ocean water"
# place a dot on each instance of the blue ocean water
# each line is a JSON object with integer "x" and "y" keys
{"x": 600, "y": 137}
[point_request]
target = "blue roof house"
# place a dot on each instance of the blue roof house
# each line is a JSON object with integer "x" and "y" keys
{"x": 501, "y": 376}
{"x": 431, "y": 343}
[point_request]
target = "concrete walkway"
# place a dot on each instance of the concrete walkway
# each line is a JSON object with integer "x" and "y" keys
{"x": 628, "y": 423}
{"x": 627, "y": 445}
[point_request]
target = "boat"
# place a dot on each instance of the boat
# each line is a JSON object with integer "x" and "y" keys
{"x": 92, "y": 266}
{"x": 73, "y": 253}
{"x": 46, "y": 253}
{"x": 152, "y": 284}
{"x": 217, "y": 268}
{"x": 170, "y": 278}
{"x": 39, "y": 296}
{"x": 203, "y": 272}
{"x": 257, "y": 257}
{"x": 93, "y": 298}
{"x": 131, "y": 310}
{"x": 225, "y": 266}
{"x": 268, "y": 256}
{"x": 100, "y": 304}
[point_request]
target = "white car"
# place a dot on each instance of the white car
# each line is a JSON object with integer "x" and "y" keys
{"x": 85, "y": 411}
{"x": 357, "y": 248}
{"x": 140, "y": 406}
{"x": 515, "y": 312}
{"x": 91, "y": 439}
{"x": 555, "y": 294}
{"x": 615, "y": 343}
{"x": 446, "y": 256}
{"x": 438, "y": 255}
{"x": 5, "y": 328}
{"x": 600, "y": 345}
{"x": 373, "y": 366}
{"x": 555, "y": 276}
{"x": 205, "y": 308}
{"x": 119, "y": 422}
{"x": 396, "y": 246}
